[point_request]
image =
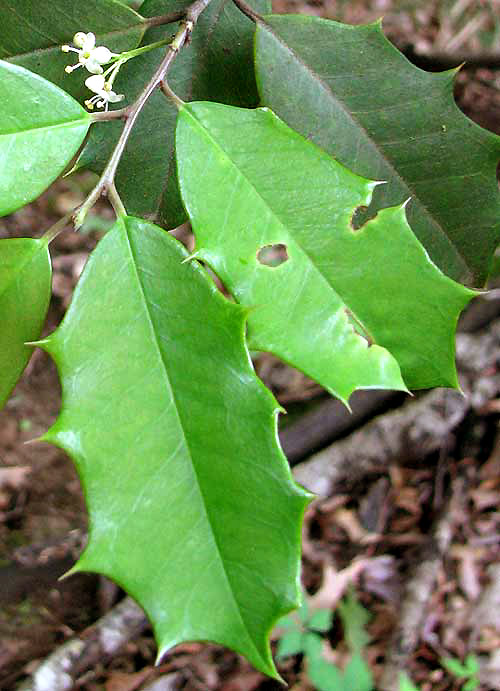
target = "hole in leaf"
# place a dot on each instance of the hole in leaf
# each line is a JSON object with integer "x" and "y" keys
{"x": 272, "y": 255}
{"x": 359, "y": 217}
{"x": 498, "y": 174}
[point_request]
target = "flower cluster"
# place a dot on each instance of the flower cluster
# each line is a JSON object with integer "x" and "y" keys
{"x": 89, "y": 55}
{"x": 93, "y": 57}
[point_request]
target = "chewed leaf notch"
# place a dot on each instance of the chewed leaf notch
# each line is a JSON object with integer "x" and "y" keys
{"x": 350, "y": 308}
{"x": 349, "y": 90}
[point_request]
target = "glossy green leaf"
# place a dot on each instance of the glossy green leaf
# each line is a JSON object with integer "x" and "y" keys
{"x": 33, "y": 33}
{"x": 25, "y": 276}
{"x": 41, "y": 129}
{"x": 217, "y": 65}
{"x": 352, "y": 92}
{"x": 269, "y": 186}
{"x": 192, "y": 506}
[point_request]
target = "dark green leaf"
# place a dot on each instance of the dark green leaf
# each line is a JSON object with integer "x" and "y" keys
{"x": 25, "y": 276}
{"x": 270, "y": 187}
{"x": 217, "y": 65}
{"x": 41, "y": 128}
{"x": 33, "y": 32}
{"x": 352, "y": 92}
{"x": 192, "y": 506}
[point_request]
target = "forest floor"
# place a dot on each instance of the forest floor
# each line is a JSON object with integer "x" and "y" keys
{"x": 412, "y": 539}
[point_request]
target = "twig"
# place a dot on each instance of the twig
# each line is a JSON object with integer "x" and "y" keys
{"x": 165, "y": 18}
{"x": 130, "y": 115}
{"x": 168, "y": 682}
{"x": 60, "y": 670}
{"x": 248, "y": 11}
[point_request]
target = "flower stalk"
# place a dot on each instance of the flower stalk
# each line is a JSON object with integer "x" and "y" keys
{"x": 106, "y": 185}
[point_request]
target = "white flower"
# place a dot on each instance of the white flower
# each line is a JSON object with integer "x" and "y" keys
{"x": 104, "y": 94}
{"x": 88, "y": 55}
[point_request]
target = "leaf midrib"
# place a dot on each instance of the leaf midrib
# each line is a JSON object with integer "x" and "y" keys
{"x": 181, "y": 426}
{"x": 373, "y": 144}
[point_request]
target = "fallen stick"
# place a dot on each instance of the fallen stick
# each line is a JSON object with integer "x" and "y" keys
{"x": 60, "y": 670}
{"x": 418, "y": 591}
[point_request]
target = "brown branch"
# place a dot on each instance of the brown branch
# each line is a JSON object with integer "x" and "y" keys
{"x": 165, "y": 18}
{"x": 414, "y": 430}
{"x": 61, "y": 669}
{"x": 130, "y": 115}
{"x": 248, "y": 11}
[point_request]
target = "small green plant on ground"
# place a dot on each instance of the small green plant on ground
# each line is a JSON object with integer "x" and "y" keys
{"x": 302, "y": 636}
{"x": 357, "y": 170}
{"x": 468, "y": 670}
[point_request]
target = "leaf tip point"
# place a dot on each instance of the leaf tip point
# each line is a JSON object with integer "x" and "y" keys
{"x": 35, "y": 440}
{"x": 71, "y": 572}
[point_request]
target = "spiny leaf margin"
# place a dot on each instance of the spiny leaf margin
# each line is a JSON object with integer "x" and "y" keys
{"x": 270, "y": 185}
{"x": 226, "y": 423}
{"x": 348, "y": 89}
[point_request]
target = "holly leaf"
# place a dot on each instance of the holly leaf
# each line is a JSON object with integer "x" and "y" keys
{"x": 348, "y": 89}
{"x": 340, "y": 289}
{"x": 41, "y": 128}
{"x": 192, "y": 506}
{"x": 25, "y": 278}
{"x": 33, "y": 33}
{"x": 216, "y": 65}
